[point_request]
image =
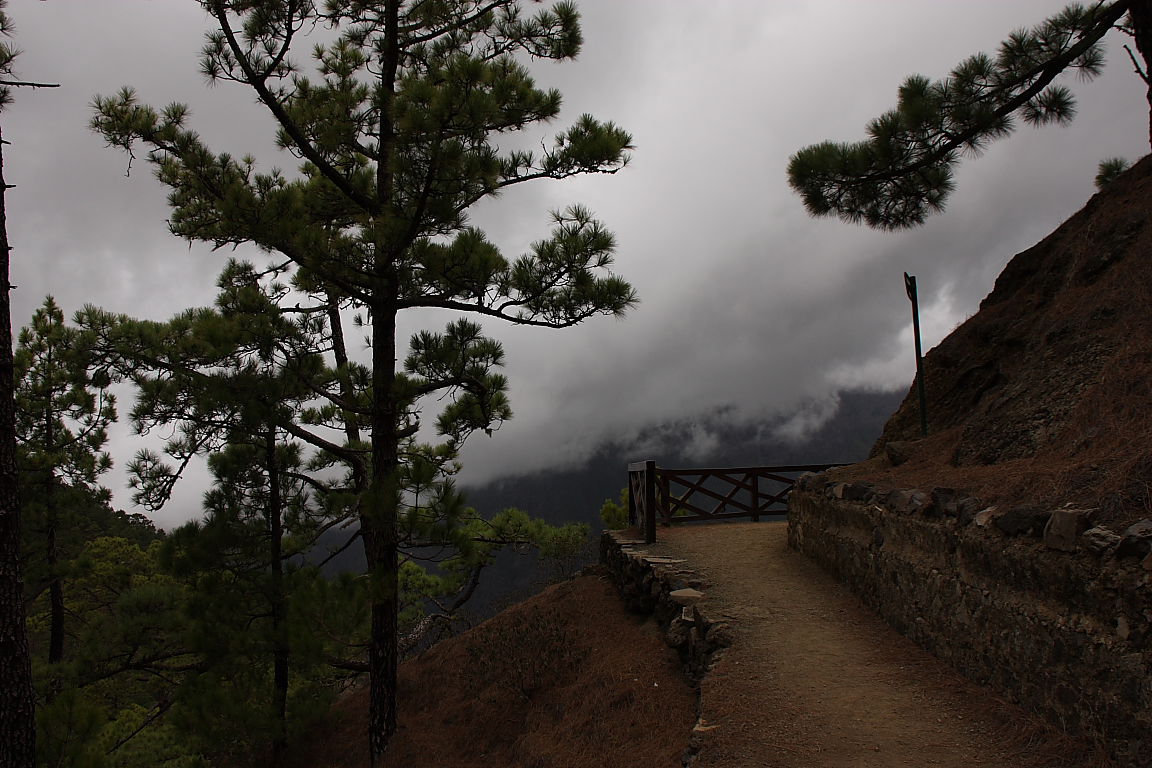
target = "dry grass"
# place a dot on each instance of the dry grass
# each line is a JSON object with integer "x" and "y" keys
{"x": 1042, "y": 397}
{"x": 559, "y": 681}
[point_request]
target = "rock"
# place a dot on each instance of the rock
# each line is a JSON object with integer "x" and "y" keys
{"x": 1137, "y": 540}
{"x": 810, "y": 481}
{"x": 877, "y": 537}
{"x": 951, "y": 503}
{"x": 898, "y": 452}
{"x": 719, "y": 635}
{"x": 907, "y": 502}
{"x": 1123, "y": 631}
{"x": 966, "y": 509}
{"x": 687, "y": 596}
{"x": 677, "y": 633}
{"x": 986, "y": 517}
{"x": 1063, "y": 529}
{"x": 856, "y": 492}
{"x": 1023, "y": 520}
{"x": 1099, "y": 539}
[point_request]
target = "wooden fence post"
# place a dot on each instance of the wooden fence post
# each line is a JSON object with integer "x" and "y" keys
{"x": 755, "y": 497}
{"x": 665, "y": 501}
{"x": 631, "y": 500}
{"x": 649, "y": 502}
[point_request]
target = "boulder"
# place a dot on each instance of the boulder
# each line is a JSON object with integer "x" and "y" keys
{"x": 1023, "y": 520}
{"x": 898, "y": 452}
{"x": 1137, "y": 540}
{"x": 1063, "y": 529}
{"x": 906, "y": 502}
{"x": 1099, "y": 539}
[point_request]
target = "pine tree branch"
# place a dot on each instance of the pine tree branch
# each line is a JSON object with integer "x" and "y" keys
{"x": 155, "y": 715}
{"x": 498, "y": 312}
{"x": 1044, "y": 74}
{"x": 336, "y": 553}
{"x": 359, "y": 667}
{"x": 258, "y": 82}
{"x": 25, "y": 84}
{"x": 1136, "y": 66}
{"x": 347, "y": 454}
{"x": 456, "y": 25}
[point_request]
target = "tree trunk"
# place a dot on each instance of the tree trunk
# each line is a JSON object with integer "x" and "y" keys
{"x": 1140, "y": 12}
{"x": 380, "y": 515}
{"x": 280, "y": 649}
{"x": 17, "y": 704}
{"x": 378, "y": 521}
{"x": 347, "y": 392}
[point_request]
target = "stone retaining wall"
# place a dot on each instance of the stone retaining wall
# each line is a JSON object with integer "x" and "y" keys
{"x": 1039, "y": 604}
{"x": 667, "y": 588}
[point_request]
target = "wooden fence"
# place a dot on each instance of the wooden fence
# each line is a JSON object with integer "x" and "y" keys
{"x": 685, "y": 495}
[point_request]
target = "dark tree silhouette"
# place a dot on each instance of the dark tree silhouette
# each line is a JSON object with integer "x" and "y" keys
{"x": 17, "y": 702}
{"x": 399, "y": 132}
{"x": 904, "y": 171}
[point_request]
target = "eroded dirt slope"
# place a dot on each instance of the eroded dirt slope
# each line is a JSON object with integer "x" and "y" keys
{"x": 566, "y": 679}
{"x": 1043, "y": 396}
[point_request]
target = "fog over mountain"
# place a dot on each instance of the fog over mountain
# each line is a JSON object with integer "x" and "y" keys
{"x": 575, "y": 494}
{"x": 751, "y": 312}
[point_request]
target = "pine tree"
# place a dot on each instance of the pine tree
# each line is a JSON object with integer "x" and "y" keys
{"x": 229, "y": 382}
{"x": 243, "y": 567}
{"x": 62, "y": 420}
{"x": 398, "y": 131}
{"x": 17, "y": 703}
{"x": 904, "y": 171}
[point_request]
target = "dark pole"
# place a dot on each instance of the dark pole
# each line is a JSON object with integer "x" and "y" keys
{"x": 649, "y": 502}
{"x": 910, "y": 287}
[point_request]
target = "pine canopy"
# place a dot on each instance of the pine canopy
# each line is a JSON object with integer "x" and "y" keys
{"x": 903, "y": 172}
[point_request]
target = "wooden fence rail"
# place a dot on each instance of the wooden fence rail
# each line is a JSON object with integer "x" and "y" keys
{"x": 711, "y": 493}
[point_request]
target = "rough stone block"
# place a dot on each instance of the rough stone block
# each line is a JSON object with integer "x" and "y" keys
{"x": 857, "y": 492}
{"x": 1137, "y": 540}
{"x": 898, "y": 452}
{"x": 1063, "y": 529}
{"x": 1023, "y": 520}
{"x": 907, "y": 502}
{"x": 1099, "y": 539}
{"x": 686, "y": 596}
{"x": 986, "y": 517}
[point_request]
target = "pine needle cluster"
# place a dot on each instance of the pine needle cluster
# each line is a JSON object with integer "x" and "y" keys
{"x": 904, "y": 171}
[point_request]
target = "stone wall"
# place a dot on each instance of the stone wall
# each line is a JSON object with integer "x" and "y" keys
{"x": 665, "y": 587}
{"x": 1037, "y": 603}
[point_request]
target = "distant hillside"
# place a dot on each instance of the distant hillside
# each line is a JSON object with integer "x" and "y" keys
{"x": 575, "y": 494}
{"x": 1043, "y": 396}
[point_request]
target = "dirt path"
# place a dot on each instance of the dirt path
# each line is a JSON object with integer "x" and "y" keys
{"x": 815, "y": 679}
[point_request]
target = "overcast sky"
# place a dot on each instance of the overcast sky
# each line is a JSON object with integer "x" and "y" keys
{"x": 745, "y": 300}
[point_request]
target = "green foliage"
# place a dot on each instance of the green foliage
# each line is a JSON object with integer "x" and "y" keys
{"x": 63, "y": 407}
{"x": 8, "y": 54}
{"x": 1109, "y": 169}
{"x": 124, "y": 664}
{"x": 904, "y": 171}
{"x": 400, "y": 124}
{"x": 614, "y": 514}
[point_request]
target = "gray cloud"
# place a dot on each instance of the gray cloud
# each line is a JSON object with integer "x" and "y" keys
{"x": 746, "y": 302}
